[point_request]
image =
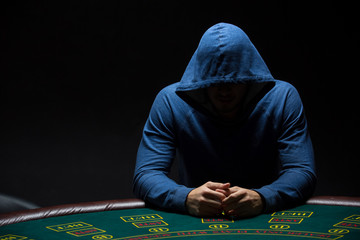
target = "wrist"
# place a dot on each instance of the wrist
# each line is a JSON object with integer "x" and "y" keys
{"x": 261, "y": 200}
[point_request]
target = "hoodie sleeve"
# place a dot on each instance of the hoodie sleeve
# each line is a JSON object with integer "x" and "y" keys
{"x": 297, "y": 178}
{"x": 154, "y": 159}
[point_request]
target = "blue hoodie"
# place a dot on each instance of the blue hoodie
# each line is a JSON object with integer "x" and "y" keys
{"x": 267, "y": 148}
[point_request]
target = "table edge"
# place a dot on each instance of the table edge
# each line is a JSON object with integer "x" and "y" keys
{"x": 118, "y": 204}
{"x": 334, "y": 201}
{"x": 69, "y": 209}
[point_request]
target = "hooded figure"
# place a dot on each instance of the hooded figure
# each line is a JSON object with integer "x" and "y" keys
{"x": 256, "y": 138}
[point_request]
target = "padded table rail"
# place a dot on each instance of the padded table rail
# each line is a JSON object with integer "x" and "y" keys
{"x": 324, "y": 217}
{"x": 68, "y": 209}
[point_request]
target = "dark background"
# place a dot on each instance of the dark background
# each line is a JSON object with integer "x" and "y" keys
{"x": 78, "y": 79}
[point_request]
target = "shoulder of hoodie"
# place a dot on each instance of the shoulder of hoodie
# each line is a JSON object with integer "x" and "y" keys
{"x": 285, "y": 93}
{"x": 285, "y": 87}
{"x": 169, "y": 91}
{"x": 168, "y": 101}
{"x": 168, "y": 97}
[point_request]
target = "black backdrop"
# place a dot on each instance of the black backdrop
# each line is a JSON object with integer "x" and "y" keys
{"x": 78, "y": 79}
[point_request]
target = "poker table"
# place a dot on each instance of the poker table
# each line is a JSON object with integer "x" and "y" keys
{"x": 131, "y": 219}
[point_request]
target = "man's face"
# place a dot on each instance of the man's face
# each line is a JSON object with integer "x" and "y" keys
{"x": 227, "y": 98}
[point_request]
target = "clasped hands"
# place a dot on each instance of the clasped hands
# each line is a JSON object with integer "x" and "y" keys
{"x": 213, "y": 198}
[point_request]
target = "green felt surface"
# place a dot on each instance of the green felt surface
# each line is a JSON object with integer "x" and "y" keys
{"x": 304, "y": 222}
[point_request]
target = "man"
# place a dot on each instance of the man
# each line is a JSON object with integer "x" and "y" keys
{"x": 240, "y": 137}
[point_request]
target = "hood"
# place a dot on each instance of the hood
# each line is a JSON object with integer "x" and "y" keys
{"x": 225, "y": 54}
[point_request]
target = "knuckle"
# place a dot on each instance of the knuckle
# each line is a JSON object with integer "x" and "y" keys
{"x": 202, "y": 200}
{"x": 232, "y": 197}
{"x": 207, "y": 193}
{"x": 208, "y": 183}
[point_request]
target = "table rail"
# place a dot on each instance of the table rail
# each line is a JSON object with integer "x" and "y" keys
{"x": 87, "y": 207}
{"x": 335, "y": 201}
{"x": 68, "y": 209}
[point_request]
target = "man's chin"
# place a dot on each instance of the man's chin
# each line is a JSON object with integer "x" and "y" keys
{"x": 226, "y": 109}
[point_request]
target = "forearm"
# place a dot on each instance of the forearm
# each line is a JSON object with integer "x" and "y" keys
{"x": 158, "y": 189}
{"x": 293, "y": 187}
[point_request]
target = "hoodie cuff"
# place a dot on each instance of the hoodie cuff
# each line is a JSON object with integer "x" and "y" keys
{"x": 179, "y": 198}
{"x": 269, "y": 199}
